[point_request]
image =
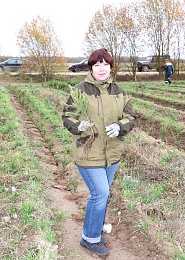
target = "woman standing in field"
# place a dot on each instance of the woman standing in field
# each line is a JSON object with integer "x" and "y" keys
{"x": 98, "y": 135}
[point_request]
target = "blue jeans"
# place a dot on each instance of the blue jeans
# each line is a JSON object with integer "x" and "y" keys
{"x": 98, "y": 181}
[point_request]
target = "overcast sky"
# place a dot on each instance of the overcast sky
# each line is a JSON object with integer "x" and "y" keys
{"x": 70, "y": 20}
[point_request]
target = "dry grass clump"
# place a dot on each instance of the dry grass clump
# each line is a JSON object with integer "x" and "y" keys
{"x": 152, "y": 163}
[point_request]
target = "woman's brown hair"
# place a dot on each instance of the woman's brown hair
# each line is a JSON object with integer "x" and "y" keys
{"x": 100, "y": 55}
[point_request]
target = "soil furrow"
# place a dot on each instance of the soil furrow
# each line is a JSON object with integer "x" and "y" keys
{"x": 164, "y": 103}
{"x": 168, "y": 135}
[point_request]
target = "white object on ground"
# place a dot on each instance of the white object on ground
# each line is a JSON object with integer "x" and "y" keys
{"x": 107, "y": 228}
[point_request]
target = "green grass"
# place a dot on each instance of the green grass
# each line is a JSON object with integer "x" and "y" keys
{"x": 24, "y": 209}
{"x": 160, "y": 93}
{"x": 149, "y": 174}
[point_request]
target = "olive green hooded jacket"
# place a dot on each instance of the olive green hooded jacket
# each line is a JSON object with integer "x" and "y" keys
{"x": 107, "y": 104}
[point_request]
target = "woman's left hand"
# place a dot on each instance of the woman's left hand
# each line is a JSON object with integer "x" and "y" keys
{"x": 112, "y": 130}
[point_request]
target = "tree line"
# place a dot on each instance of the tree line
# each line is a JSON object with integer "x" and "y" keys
{"x": 129, "y": 30}
{"x": 134, "y": 29}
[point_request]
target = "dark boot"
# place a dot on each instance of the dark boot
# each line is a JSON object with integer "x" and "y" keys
{"x": 96, "y": 248}
{"x": 103, "y": 239}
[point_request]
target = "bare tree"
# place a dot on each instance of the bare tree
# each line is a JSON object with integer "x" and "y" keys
{"x": 133, "y": 35}
{"x": 177, "y": 46}
{"x": 38, "y": 42}
{"x": 154, "y": 21}
{"x": 129, "y": 30}
{"x": 104, "y": 31}
{"x": 160, "y": 20}
{"x": 118, "y": 30}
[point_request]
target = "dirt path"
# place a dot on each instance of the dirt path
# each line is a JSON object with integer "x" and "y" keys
{"x": 124, "y": 244}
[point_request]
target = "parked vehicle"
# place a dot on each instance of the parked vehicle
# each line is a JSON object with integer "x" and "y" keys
{"x": 83, "y": 65}
{"x": 152, "y": 62}
{"x": 12, "y": 64}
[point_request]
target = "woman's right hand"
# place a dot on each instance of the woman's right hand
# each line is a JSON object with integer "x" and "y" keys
{"x": 84, "y": 125}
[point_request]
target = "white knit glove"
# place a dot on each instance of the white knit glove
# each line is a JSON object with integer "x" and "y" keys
{"x": 112, "y": 130}
{"x": 85, "y": 125}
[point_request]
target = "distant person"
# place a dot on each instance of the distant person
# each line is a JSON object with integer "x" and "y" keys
{"x": 168, "y": 71}
{"x": 111, "y": 117}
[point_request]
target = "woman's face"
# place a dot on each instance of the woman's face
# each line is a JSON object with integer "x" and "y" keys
{"x": 101, "y": 70}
